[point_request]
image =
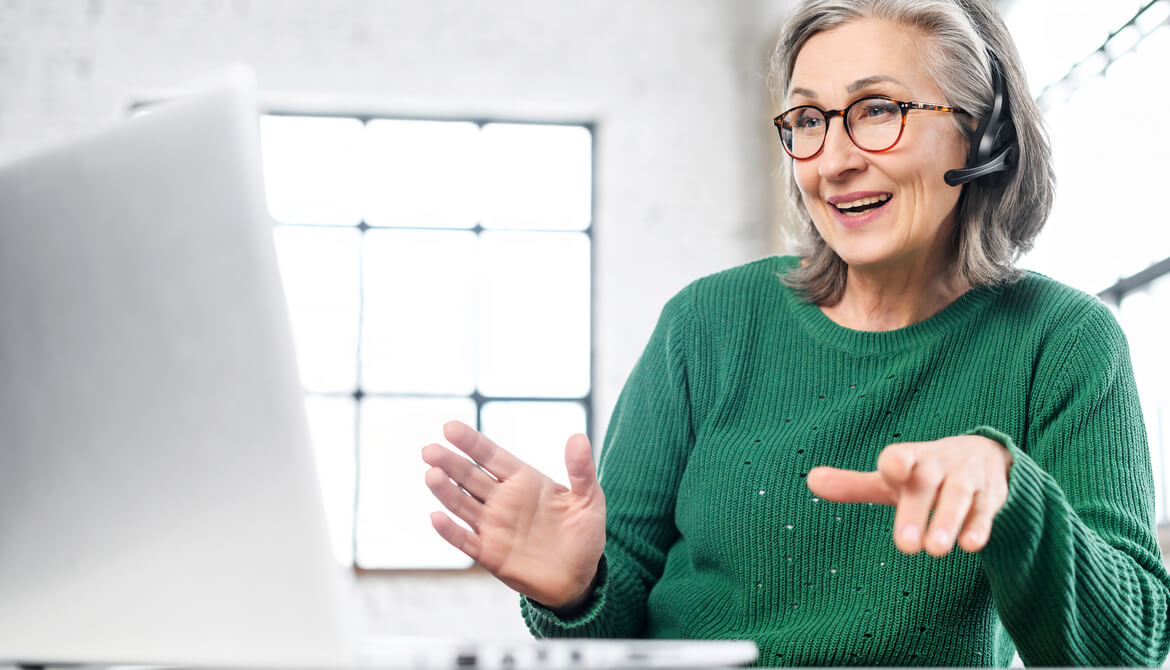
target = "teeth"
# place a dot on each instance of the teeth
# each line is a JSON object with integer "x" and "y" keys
{"x": 863, "y": 201}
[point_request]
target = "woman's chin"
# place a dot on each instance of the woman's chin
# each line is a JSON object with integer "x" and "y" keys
{"x": 866, "y": 257}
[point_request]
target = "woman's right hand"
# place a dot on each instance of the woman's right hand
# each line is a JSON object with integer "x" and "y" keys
{"x": 538, "y": 537}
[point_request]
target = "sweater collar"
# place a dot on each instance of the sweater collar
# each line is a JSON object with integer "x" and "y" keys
{"x": 825, "y": 330}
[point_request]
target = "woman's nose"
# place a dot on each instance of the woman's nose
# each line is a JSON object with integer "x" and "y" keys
{"x": 839, "y": 156}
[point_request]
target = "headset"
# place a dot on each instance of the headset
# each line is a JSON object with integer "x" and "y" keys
{"x": 994, "y": 146}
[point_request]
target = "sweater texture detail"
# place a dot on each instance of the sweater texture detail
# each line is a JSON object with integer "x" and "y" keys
{"x": 744, "y": 387}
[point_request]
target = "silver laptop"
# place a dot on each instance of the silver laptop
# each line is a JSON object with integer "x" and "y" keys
{"x": 158, "y": 499}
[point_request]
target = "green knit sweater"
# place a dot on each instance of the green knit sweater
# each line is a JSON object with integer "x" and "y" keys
{"x": 743, "y": 387}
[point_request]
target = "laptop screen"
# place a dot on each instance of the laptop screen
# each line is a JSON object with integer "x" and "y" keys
{"x": 158, "y": 502}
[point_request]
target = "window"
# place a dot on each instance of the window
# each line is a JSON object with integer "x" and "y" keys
{"x": 1098, "y": 75}
{"x": 434, "y": 270}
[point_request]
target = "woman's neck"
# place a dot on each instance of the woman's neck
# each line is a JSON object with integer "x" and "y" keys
{"x": 888, "y": 300}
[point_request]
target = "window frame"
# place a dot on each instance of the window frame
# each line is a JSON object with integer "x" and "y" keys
{"x": 358, "y": 395}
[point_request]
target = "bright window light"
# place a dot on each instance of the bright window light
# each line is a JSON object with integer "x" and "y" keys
{"x": 1049, "y": 47}
{"x": 319, "y": 267}
{"x": 535, "y": 432}
{"x": 540, "y": 177}
{"x": 313, "y": 169}
{"x": 394, "y": 527}
{"x": 434, "y": 270}
{"x": 422, "y": 173}
{"x": 420, "y": 301}
{"x": 534, "y": 314}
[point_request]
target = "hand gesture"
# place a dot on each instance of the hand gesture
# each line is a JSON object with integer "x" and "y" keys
{"x": 963, "y": 479}
{"x": 538, "y": 537}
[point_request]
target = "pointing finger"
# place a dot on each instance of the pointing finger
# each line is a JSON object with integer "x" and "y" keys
{"x": 849, "y": 486}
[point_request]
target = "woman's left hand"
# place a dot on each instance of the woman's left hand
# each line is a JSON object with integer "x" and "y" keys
{"x": 963, "y": 479}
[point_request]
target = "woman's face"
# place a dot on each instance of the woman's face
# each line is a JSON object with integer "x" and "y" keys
{"x": 912, "y": 226}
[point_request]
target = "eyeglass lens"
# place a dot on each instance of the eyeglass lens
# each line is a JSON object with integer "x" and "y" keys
{"x": 874, "y": 124}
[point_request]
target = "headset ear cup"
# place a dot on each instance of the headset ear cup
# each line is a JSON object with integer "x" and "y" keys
{"x": 1000, "y": 141}
{"x": 980, "y": 149}
{"x": 994, "y": 144}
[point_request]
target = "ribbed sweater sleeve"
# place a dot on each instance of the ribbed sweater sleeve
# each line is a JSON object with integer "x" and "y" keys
{"x": 645, "y": 452}
{"x": 1075, "y": 574}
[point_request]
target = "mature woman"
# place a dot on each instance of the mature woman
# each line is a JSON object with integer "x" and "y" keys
{"x": 998, "y": 407}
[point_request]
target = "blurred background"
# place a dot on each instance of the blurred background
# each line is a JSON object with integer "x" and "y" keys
{"x": 481, "y": 207}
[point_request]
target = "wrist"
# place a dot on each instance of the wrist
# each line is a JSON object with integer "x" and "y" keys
{"x": 1000, "y": 440}
{"x": 575, "y": 606}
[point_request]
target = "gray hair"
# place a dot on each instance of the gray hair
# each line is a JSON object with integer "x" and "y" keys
{"x": 995, "y": 224}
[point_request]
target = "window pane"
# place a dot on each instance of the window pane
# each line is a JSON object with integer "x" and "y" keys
{"x": 536, "y": 176}
{"x": 1099, "y": 210}
{"x": 535, "y": 432}
{"x": 534, "y": 314}
{"x": 419, "y": 301}
{"x": 319, "y": 267}
{"x": 422, "y": 173}
{"x": 1146, "y": 146}
{"x": 331, "y": 424}
{"x": 1051, "y": 47}
{"x": 1072, "y": 232}
{"x": 1143, "y": 316}
{"x": 312, "y": 168}
{"x": 394, "y": 526}
{"x": 441, "y": 313}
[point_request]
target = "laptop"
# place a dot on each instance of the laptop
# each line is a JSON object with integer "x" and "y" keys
{"x": 158, "y": 496}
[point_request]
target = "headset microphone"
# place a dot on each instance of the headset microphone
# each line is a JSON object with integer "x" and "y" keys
{"x": 993, "y": 147}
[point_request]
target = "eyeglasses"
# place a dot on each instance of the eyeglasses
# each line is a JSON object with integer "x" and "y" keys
{"x": 873, "y": 124}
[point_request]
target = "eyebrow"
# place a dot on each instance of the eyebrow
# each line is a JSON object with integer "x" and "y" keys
{"x": 856, "y": 86}
{"x": 870, "y": 81}
{"x": 804, "y": 92}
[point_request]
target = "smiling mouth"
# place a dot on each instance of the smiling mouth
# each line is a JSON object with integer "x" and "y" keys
{"x": 861, "y": 205}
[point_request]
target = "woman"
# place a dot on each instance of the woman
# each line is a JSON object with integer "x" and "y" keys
{"x": 741, "y": 498}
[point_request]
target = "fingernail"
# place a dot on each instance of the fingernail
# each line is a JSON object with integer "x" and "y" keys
{"x": 976, "y": 537}
{"x": 910, "y": 533}
{"x": 941, "y": 537}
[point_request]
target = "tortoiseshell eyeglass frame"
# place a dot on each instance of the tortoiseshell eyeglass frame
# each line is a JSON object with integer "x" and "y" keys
{"x": 904, "y": 105}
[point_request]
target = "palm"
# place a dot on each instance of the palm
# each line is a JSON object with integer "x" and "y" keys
{"x": 537, "y": 536}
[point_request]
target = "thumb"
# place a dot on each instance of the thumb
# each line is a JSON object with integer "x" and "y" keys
{"x": 579, "y": 465}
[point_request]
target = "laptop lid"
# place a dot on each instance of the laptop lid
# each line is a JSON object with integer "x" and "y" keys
{"x": 158, "y": 501}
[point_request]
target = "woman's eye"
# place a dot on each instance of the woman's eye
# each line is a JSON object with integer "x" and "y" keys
{"x": 877, "y": 110}
{"x": 809, "y": 123}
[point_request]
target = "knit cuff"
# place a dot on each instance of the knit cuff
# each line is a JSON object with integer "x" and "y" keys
{"x": 1017, "y": 519}
{"x": 544, "y": 621}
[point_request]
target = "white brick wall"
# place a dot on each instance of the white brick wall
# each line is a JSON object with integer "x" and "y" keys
{"x": 685, "y": 147}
